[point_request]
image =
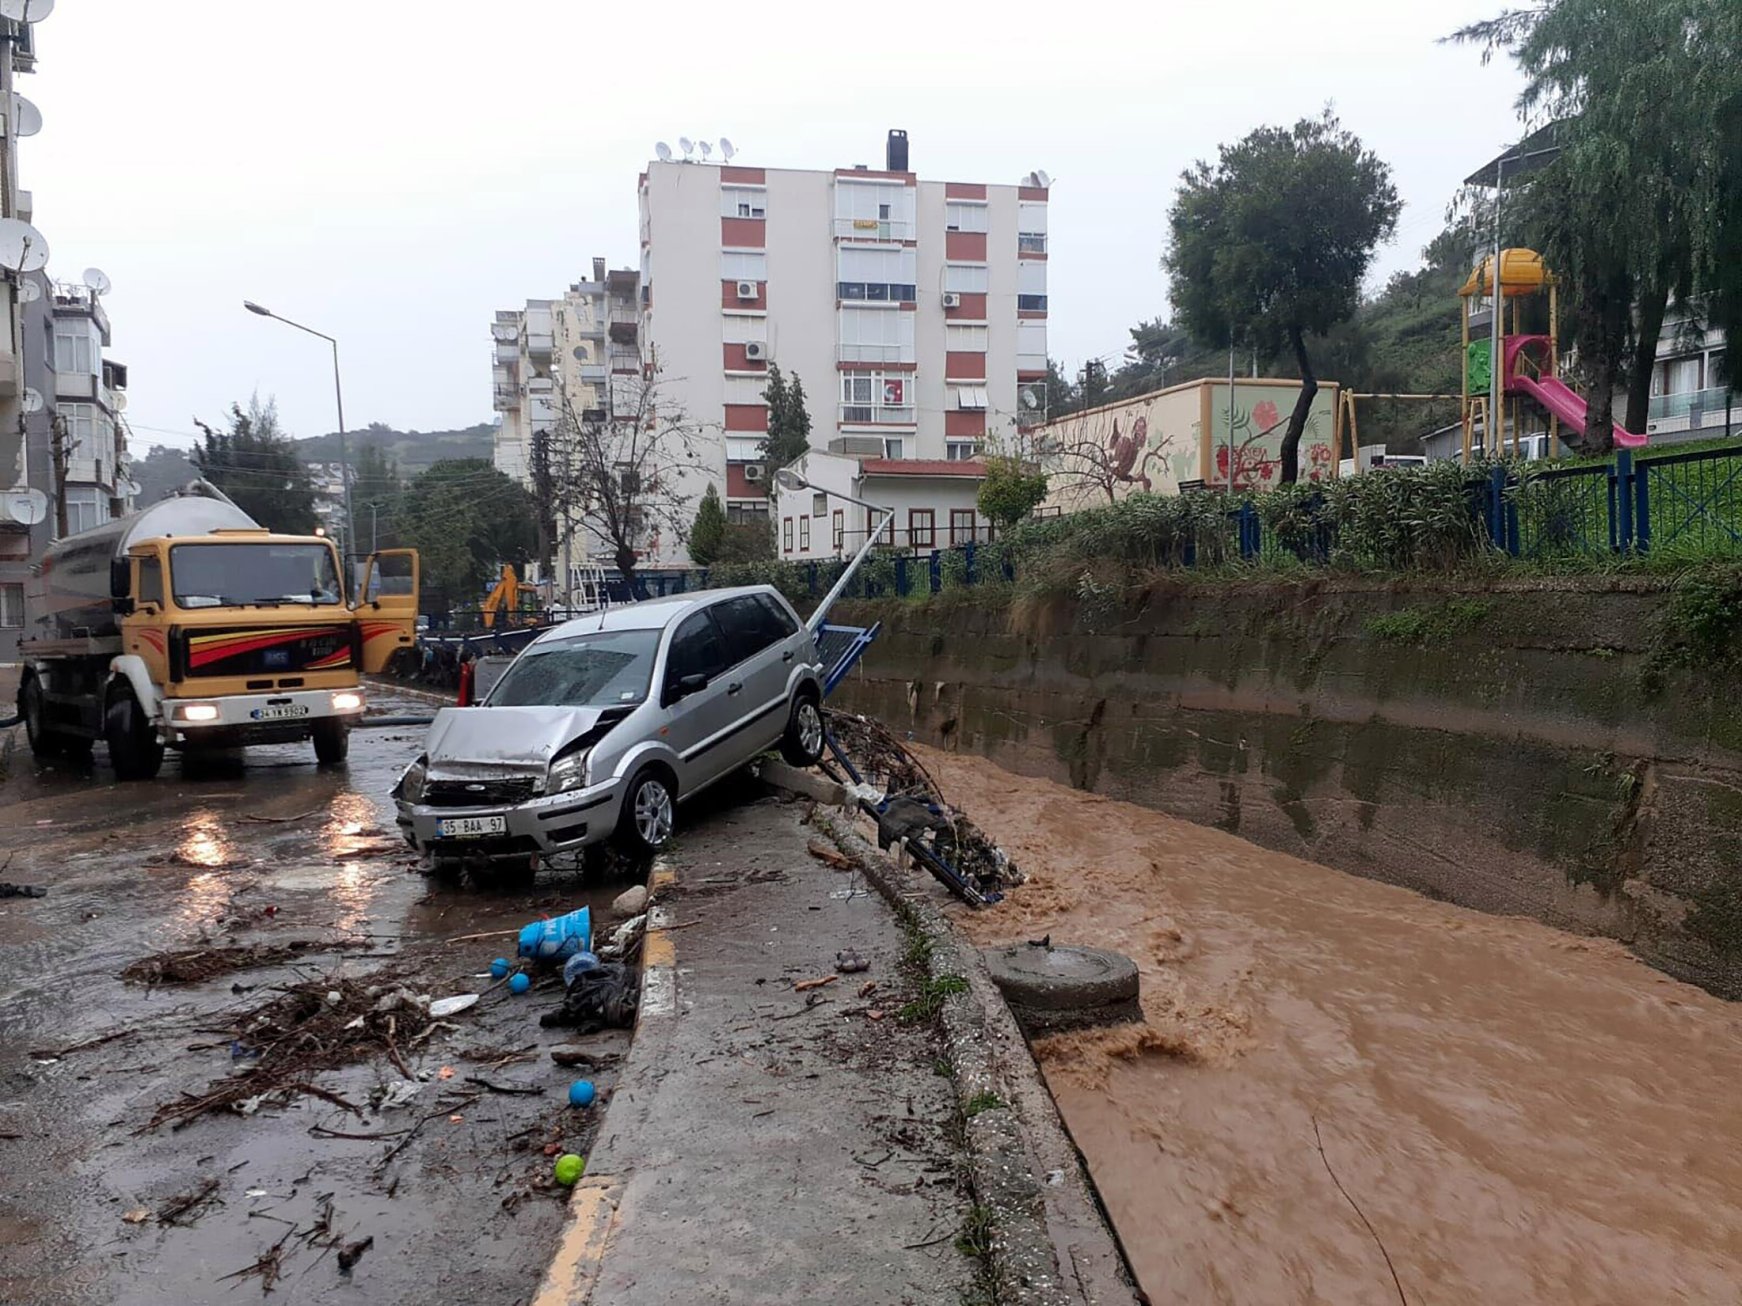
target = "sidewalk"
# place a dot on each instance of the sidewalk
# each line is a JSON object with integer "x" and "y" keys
{"x": 769, "y": 1152}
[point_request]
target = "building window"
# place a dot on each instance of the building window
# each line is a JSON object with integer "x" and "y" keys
{"x": 895, "y": 448}
{"x": 872, "y": 397}
{"x": 961, "y": 525}
{"x": 746, "y": 389}
{"x": 922, "y": 531}
{"x": 873, "y": 210}
{"x": 1031, "y": 287}
{"x": 744, "y": 328}
{"x": 87, "y": 430}
{"x": 963, "y": 215}
{"x": 77, "y": 348}
{"x": 819, "y": 504}
{"x": 972, "y": 399}
{"x": 1031, "y": 242}
{"x": 966, "y": 339}
{"x": 12, "y": 605}
{"x": 804, "y": 534}
{"x": 1031, "y": 303}
{"x": 743, "y": 265}
{"x": 87, "y": 508}
{"x": 961, "y": 451}
{"x": 742, "y": 512}
{"x": 743, "y": 202}
{"x": 966, "y": 278}
{"x": 151, "y": 581}
{"x": 877, "y": 335}
{"x": 786, "y": 534}
{"x": 840, "y": 521}
{"x": 877, "y": 275}
{"x": 1031, "y": 346}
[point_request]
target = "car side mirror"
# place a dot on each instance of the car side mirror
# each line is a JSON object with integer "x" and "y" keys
{"x": 120, "y": 578}
{"x": 684, "y": 686}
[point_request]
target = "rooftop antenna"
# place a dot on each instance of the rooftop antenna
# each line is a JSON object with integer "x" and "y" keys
{"x": 26, "y": 11}
{"x": 727, "y": 149}
{"x": 688, "y": 147}
{"x": 663, "y": 151}
{"x": 98, "y": 281}
{"x": 26, "y": 117}
{"x": 22, "y": 247}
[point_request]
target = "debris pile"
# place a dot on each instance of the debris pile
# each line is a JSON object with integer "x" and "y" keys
{"x": 310, "y": 1027}
{"x": 195, "y": 965}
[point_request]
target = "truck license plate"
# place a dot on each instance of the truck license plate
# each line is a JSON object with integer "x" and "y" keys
{"x": 470, "y": 827}
{"x": 278, "y": 713}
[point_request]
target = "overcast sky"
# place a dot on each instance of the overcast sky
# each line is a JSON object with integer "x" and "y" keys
{"x": 392, "y": 171}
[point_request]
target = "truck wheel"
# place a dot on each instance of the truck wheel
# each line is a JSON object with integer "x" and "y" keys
{"x": 802, "y": 744}
{"x": 133, "y": 746}
{"x": 32, "y": 707}
{"x": 332, "y": 741}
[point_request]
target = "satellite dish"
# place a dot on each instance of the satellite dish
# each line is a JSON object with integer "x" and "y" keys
{"x": 98, "y": 281}
{"x": 31, "y": 401}
{"x": 26, "y": 11}
{"x": 727, "y": 149}
{"x": 663, "y": 151}
{"x": 29, "y": 292}
{"x": 22, "y": 246}
{"x": 26, "y": 117}
{"x": 24, "y": 507}
{"x": 120, "y": 401}
{"x": 1045, "y": 179}
{"x": 707, "y": 148}
{"x": 1029, "y": 400}
{"x": 132, "y": 489}
{"x": 580, "y": 353}
{"x": 685, "y": 144}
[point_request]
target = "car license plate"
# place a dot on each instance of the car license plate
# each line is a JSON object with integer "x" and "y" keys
{"x": 471, "y": 827}
{"x": 279, "y": 713}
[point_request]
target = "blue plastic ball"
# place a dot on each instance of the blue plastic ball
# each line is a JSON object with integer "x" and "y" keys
{"x": 520, "y": 983}
{"x": 582, "y": 1093}
{"x": 499, "y": 967}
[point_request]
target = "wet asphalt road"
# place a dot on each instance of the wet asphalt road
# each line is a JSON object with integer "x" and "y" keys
{"x": 261, "y": 848}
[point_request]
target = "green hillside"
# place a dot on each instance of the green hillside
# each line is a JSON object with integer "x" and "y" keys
{"x": 414, "y": 451}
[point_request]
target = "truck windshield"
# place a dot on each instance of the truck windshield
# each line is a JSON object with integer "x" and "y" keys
{"x": 243, "y": 575}
{"x": 607, "y": 668}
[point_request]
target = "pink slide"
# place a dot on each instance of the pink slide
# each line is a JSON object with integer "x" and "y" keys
{"x": 1564, "y": 402}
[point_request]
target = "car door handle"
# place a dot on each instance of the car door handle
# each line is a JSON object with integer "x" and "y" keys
{"x": 786, "y": 656}
{"x": 734, "y": 688}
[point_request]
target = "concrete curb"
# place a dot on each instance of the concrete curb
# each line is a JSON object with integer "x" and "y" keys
{"x": 420, "y": 695}
{"x": 591, "y": 1224}
{"x": 1050, "y": 1241}
{"x": 803, "y": 784}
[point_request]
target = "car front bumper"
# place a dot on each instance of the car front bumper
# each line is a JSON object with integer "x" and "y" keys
{"x": 558, "y": 823}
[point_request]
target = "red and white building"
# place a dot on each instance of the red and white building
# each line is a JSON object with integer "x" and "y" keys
{"x": 914, "y": 312}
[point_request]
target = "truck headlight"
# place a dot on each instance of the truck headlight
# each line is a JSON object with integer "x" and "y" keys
{"x": 411, "y": 783}
{"x": 567, "y": 773}
{"x": 347, "y": 701}
{"x": 197, "y": 713}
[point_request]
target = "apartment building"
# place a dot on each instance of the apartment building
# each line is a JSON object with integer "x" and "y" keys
{"x": 913, "y": 311}
{"x": 1690, "y": 397}
{"x": 88, "y": 396}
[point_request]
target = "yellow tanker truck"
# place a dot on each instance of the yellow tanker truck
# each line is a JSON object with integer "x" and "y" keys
{"x": 188, "y": 625}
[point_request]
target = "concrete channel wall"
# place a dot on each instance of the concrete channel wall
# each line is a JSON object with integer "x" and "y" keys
{"x": 1521, "y": 748}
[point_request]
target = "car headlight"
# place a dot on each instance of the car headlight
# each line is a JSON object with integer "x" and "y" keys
{"x": 347, "y": 700}
{"x": 567, "y": 773}
{"x": 411, "y": 783}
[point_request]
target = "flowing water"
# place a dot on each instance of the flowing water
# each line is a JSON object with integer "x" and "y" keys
{"x": 1519, "y": 1114}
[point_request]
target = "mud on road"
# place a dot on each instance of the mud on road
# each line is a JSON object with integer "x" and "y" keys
{"x": 301, "y": 869}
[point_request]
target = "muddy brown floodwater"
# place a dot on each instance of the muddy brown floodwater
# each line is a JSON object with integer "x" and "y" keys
{"x": 1522, "y": 1115}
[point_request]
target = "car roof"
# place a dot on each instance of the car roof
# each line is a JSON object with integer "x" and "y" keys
{"x": 650, "y": 614}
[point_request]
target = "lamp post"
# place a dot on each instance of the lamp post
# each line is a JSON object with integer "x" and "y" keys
{"x": 791, "y": 481}
{"x": 339, "y": 396}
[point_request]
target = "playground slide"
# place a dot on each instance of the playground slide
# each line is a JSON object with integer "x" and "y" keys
{"x": 1565, "y": 403}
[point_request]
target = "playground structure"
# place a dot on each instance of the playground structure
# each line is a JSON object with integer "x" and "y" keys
{"x": 1530, "y": 364}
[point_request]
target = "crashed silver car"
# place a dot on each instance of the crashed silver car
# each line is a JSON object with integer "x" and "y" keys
{"x": 603, "y": 725}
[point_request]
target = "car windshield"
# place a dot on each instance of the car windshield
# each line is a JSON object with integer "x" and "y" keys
{"x": 242, "y": 575}
{"x": 607, "y": 668}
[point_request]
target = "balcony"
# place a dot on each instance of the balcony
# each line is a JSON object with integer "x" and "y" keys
{"x": 593, "y": 373}
{"x": 874, "y": 229}
{"x": 505, "y": 399}
{"x": 877, "y": 415}
{"x": 540, "y": 345}
{"x": 625, "y": 327}
{"x": 508, "y": 352}
{"x": 1688, "y": 404}
{"x": 75, "y": 385}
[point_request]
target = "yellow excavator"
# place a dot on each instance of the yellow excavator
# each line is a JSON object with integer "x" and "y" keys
{"x": 509, "y": 598}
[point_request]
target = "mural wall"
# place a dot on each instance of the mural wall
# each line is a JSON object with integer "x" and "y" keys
{"x": 1158, "y": 441}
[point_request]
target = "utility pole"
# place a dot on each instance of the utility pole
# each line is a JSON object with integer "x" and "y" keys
{"x": 58, "y": 457}
{"x": 542, "y": 496}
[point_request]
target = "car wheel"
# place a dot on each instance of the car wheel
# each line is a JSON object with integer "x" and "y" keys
{"x": 332, "y": 741}
{"x": 133, "y": 746}
{"x": 802, "y": 744}
{"x": 649, "y": 813}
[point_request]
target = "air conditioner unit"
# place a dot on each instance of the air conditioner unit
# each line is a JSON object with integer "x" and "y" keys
{"x": 747, "y": 290}
{"x": 756, "y": 352}
{"x": 753, "y": 472}
{"x": 952, "y": 299}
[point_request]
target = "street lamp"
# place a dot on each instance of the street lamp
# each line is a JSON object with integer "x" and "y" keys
{"x": 789, "y": 480}
{"x": 339, "y": 395}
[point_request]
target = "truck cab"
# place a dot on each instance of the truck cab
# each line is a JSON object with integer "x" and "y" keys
{"x": 206, "y": 639}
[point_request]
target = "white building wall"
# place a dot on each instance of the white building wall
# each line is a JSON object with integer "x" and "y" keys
{"x": 801, "y": 290}
{"x": 929, "y": 333}
{"x": 1001, "y": 224}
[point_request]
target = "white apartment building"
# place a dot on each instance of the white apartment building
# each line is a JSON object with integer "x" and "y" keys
{"x": 89, "y": 394}
{"x": 1689, "y": 393}
{"x": 913, "y": 311}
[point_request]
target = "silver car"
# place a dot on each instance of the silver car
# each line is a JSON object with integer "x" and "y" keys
{"x": 603, "y": 725}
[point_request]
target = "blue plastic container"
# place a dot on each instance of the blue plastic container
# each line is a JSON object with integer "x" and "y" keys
{"x": 559, "y": 939}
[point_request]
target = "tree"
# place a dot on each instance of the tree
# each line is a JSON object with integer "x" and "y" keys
{"x": 1630, "y": 209}
{"x": 747, "y": 541}
{"x": 623, "y": 476}
{"x": 708, "y": 532}
{"x": 1013, "y": 488}
{"x": 255, "y": 464}
{"x": 375, "y": 491}
{"x": 467, "y": 520}
{"x": 1270, "y": 244}
{"x": 789, "y": 425}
